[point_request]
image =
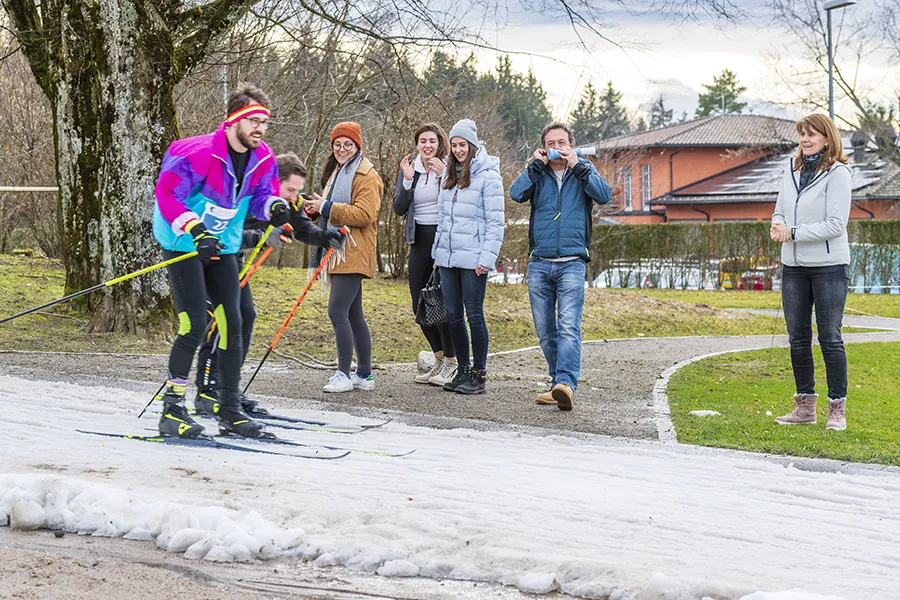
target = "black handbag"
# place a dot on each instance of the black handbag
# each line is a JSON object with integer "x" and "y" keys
{"x": 431, "y": 310}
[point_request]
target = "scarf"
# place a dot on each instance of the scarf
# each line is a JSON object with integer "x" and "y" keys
{"x": 338, "y": 190}
{"x": 810, "y": 167}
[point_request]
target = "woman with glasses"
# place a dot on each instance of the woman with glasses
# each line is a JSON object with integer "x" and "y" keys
{"x": 351, "y": 196}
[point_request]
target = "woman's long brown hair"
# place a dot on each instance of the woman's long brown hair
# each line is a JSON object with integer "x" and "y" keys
{"x": 464, "y": 176}
{"x": 834, "y": 147}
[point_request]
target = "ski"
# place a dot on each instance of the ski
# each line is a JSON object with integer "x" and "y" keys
{"x": 286, "y": 419}
{"x": 208, "y": 442}
{"x": 277, "y": 440}
{"x": 296, "y": 426}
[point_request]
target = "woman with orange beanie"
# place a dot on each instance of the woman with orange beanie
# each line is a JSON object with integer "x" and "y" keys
{"x": 351, "y": 196}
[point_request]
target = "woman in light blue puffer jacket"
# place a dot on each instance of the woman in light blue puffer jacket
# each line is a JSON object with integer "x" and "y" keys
{"x": 466, "y": 245}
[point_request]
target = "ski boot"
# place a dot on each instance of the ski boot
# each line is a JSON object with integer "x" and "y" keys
{"x": 234, "y": 421}
{"x": 252, "y": 406}
{"x": 206, "y": 403}
{"x": 175, "y": 420}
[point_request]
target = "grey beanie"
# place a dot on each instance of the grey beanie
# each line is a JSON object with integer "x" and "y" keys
{"x": 467, "y": 130}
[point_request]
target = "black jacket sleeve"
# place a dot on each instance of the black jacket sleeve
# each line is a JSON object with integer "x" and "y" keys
{"x": 306, "y": 231}
{"x": 403, "y": 196}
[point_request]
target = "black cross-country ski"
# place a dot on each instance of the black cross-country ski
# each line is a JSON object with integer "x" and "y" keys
{"x": 298, "y": 426}
{"x": 207, "y": 442}
{"x": 286, "y": 419}
{"x": 276, "y": 440}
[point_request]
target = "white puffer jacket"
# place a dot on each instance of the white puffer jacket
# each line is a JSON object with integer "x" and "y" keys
{"x": 471, "y": 220}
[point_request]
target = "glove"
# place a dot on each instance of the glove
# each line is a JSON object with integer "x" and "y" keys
{"x": 279, "y": 237}
{"x": 279, "y": 214}
{"x": 207, "y": 244}
{"x": 336, "y": 239}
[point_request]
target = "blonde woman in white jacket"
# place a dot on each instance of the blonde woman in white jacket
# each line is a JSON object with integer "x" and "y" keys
{"x": 810, "y": 219}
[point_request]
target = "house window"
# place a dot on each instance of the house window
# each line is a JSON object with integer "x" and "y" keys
{"x": 645, "y": 186}
{"x": 627, "y": 202}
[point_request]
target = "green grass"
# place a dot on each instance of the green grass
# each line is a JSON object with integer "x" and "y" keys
{"x": 750, "y": 389}
{"x": 607, "y": 314}
{"x": 883, "y": 305}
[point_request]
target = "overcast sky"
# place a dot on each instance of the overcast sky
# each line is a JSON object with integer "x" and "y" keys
{"x": 662, "y": 56}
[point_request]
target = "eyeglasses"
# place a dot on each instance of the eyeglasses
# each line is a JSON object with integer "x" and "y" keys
{"x": 344, "y": 146}
{"x": 261, "y": 124}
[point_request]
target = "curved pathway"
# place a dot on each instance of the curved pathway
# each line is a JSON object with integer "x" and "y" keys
{"x": 616, "y": 396}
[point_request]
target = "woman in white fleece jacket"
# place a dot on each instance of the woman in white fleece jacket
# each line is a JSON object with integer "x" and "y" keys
{"x": 811, "y": 220}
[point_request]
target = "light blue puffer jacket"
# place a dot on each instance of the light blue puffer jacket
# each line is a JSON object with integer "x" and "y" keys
{"x": 471, "y": 220}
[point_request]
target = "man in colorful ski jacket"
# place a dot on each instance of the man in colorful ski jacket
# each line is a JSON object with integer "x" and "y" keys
{"x": 206, "y": 188}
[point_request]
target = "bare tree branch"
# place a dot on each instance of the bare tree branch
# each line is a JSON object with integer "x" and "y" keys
{"x": 198, "y": 27}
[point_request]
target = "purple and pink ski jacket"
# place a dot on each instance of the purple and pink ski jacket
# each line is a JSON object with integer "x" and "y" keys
{"x": 197, "y": 181}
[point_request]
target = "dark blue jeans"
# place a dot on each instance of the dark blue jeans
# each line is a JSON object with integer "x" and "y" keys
{"x": 824, "y": 288}
{"x": 463, "y": 289}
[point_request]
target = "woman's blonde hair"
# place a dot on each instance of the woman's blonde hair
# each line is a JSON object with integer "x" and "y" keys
{"x": 834, "y": 147}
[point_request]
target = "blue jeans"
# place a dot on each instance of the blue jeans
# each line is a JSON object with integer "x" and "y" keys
{"x": 463, "y": 289}
{"x": 556, "y": 290}
{"x": 826, "y": 289}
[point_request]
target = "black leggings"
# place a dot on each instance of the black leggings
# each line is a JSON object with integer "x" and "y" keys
{"x": 420, "y": 268}
{"x": 349, "y": 323}
{"x": 192, "y": 283}
{"x": 207, "y": 376}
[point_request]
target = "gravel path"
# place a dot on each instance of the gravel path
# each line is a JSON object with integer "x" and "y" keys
{"x": 615, "y": 397}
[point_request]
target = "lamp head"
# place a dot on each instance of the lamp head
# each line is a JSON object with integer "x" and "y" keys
{"x": 833, "y": 4}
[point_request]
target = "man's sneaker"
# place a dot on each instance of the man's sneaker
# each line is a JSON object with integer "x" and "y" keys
{"x": 426, "y": 377}
{"x": 545, "y": 398}
{"x": 837, "y": 414}
{"x": 206, "y": 403}
{"x": 338, "y": 383}
{"x": 462, "y": 375}
{"x": 234, "y": 421}
{"x": 250, "y": 406}
{"x": 804, "y": 411}
{"x": 176, "y": 422}
{"x": 366, "y": 384}
{"x": 446, "y": 373}
{"x": 563, "y": 395}
{"x": 474, "y": 384}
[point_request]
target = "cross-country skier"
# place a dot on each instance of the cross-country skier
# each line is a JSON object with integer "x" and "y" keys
{"x": 205, "y": 189}
{"x": 292, "y": 179}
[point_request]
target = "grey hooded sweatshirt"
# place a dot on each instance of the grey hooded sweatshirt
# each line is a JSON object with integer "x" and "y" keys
{"x": 817, "y": 217}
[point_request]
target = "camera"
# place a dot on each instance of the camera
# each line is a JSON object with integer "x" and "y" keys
{"x": 553, "y": 153}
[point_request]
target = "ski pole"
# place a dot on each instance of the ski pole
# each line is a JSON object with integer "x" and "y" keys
{"x": 290, "y": 316}
{"x": 99, "y": 286}
{"x": 246, "y": 273}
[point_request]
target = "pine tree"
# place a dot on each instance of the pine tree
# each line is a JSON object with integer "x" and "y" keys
{"x": 523, "y": 107}
{"x": 586, "y": 119}
{"x": 720, "y": 98}
{"x": 613, "y": 118}
{"x": 659, "y": 115}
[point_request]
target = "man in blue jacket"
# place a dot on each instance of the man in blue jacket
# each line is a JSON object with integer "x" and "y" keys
{"x": 562, "y": 193}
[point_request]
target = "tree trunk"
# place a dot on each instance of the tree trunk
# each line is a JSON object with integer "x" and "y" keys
{"x": 113, "y": 117}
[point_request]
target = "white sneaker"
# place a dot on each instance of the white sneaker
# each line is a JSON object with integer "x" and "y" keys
{"x": 426, "y": 377}
{"x": 366, "y": 385}
{"x": 447, "y": 373}
{"x": 338, "y": 383}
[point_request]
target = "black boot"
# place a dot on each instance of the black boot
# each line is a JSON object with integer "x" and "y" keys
{"x": 175, "y": 420}
{"x": 462, "y": 375}
{"x": 206, "y": 403}
{"x": 252, "y": 406}
{"x": 474, "y": 384}
{"x": 234, "y": 421}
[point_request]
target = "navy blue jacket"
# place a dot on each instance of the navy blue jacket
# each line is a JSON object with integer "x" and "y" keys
{"x": 560, "y": 223}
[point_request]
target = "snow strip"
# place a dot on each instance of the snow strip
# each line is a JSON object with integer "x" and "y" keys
{"x": 595, "y": 519}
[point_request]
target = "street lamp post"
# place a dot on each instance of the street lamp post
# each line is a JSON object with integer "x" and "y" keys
{"x": 831, "y": 5}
